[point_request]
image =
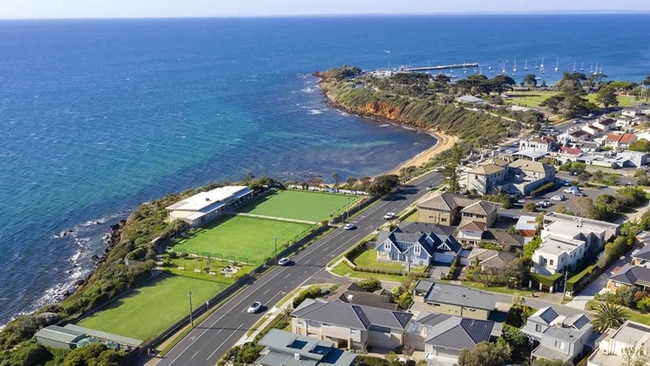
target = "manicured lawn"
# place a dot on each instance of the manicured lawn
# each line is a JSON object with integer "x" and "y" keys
{"x": 368, "y": 259}
{"x": 301, "y": 205}
{"x": 529, "y": 98}
{"x": 150, "y": 309}
{"x": 188, "y": 266}
{"x": 343, "y": 270}
{"x": 242, "y": 239}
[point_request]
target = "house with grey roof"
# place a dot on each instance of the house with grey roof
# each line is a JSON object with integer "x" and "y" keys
{"x": 641, "y": 257}
{"x": 610, "y": 347}
{"x": 412, "y": 246}
{"x": 489, "y": 260}
{"x": 630, "y": 276}
{"x": 443, "y": 336}
{"x": 288, "y": 349}
{"x": 557, "y": 337}
{"x": 486, "y": 177}
{"x": 354, "y": 294}
{"x": 351, "y": 326}
{"x": 451, "y": 209}
{"x": 453, "y": 300}
{"x": 524, "y": 176}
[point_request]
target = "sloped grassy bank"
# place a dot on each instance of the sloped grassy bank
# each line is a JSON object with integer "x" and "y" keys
{"x": 412, "y": 101}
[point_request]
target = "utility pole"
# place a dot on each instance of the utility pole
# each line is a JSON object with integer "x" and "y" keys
{"x": 566, "y": 274}
{"x": 275, "y": 248}
{"x": 191, "y": 319}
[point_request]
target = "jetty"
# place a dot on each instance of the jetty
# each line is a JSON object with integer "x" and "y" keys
{"x": 440, "y": 67}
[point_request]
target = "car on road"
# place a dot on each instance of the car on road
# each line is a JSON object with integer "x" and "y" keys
{"x": 254, "y": 307}
{"x": 431, "y": 187}
{"x": 349, "y": 226}
{"x": 559, "y": 197}
{"x": 438, "y": 169}
{"x": 390, "y": 215}
{"x": 284, "y": 261}
{"x": 543, "y": 204}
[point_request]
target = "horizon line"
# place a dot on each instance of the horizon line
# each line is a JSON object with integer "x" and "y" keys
{"x": 240, "y": 16}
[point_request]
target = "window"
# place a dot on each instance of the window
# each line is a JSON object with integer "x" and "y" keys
{"x": 417, "y": 249}
{"x": 442, "y": 219}
{"x": 538, "y": 328}
{"x": 550, "y": 262}
{"x": 387, "y": 246}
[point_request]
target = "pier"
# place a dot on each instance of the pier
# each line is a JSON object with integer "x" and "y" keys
{"x": 441, "y": 67}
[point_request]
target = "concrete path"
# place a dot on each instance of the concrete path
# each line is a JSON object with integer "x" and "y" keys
{"x": 274, "y": 218}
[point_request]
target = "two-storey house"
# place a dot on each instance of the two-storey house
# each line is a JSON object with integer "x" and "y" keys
{"x": 450, "y": 209}
{"x": 613, "y": 344}
{"x": 417, "y": 245}
{"x": 557, "y": 337}
{"x": 453, "y": 300}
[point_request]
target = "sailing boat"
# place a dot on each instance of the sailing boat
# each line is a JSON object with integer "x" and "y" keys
{"x": 557, "y": 64}
{"x": 514, "y": 68}
{"x": 596, "y": 69}
{"x": 541, "y": 66}
{"x": 582, "y": 67}
{"x": 526, "y": 64}
{"x": 574, "y": 67}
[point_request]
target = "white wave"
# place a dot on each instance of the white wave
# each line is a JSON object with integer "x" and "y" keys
{"x": 315, "y": 111}
{"x": 384, "y": 125}
{"x": 308, "y": 90}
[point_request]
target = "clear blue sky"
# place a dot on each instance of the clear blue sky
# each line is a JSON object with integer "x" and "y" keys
{"x": 25, "y": 9}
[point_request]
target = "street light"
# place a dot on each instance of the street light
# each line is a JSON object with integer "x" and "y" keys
{"x": 275, "y": 248}
{"x": 191, "y": 319}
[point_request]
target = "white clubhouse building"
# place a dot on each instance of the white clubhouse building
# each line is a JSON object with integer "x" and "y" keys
{"x": 206, "y": 206}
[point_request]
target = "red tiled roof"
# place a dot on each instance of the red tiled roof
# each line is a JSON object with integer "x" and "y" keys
{"x": 570, "y": 150}
{"x": 627, "y": 138}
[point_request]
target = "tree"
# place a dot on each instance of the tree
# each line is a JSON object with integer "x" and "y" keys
{"x": 370, "y": 284}
{"x": 530, "y": 80}
{"x": 608, "y": 316}
{"x": 450, "y": 170}
{"x": 516, "y": 272}
{"x": 642, "y": 145}
{"x": 635, "y": 356}
{"x": 517, "y": 341}
{"x": 383, "y": 184}
{"x": 336, "y": 178}
{"x": 607, "y": 96}
{"x": 485, "y": 354}
{"x": 531, "y": 247}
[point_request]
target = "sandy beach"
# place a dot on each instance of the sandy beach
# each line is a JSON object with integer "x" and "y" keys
{"x": 445, "y": 142}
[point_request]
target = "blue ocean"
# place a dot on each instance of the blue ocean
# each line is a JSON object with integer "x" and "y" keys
{"x": 98, "y": 116}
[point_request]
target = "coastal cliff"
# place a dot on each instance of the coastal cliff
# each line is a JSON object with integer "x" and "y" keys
{"x": 411, "y": 101}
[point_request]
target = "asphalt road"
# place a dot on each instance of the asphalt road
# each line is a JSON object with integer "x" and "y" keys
{"x": 208, "y": 341}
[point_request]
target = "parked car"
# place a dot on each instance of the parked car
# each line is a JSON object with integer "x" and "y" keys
{"x": 390, "y": 215}
{"x": 572, "y": 189}
{"x": 349, "y": 226}
{"x": 579, "y": 194}
{"x": 254, "y": 307}
{"x": 284, "y": 261}
{"x": 543, "y": 204}
{"x": 559, "y": 197}
{"x": 431, "y": 187}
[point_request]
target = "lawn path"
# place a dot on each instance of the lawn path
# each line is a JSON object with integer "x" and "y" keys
{"x": 273, "y": 218}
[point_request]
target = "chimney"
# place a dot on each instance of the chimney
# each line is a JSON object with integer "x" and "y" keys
{"x": 296, "y": 356}
{"x": 350, "y": 296}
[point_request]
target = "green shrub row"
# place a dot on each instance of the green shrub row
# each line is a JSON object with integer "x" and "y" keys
{"x": 574, "y": 283}
{"x": 542, "y": 189}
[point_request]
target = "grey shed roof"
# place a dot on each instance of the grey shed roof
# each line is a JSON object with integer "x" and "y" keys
{"x": 643, "y": 253}
{"x": 60, "y": 334}
{"x": 131, "y": 342}
{"x": 459, "y": 295}
{"x": 286, "y": 348}
{"x": 454, "y": 332}
{"x": 351, "y": 316}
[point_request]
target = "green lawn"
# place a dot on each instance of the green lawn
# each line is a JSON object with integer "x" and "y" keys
{"x": 242, "y": 239}
{"x": 533, "y": 98}
{"x": 301, "y": 205}
{"x": 343, "y": 270}
{"x": 368, "y": 259}
{"x": 150, "y": 309}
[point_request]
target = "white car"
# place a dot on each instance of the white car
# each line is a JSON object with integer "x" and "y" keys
{"x": 254, "y": 308}
{"x": 349, "y": 226}
{"x": 572, "y": 189}
{"x": 559, "y": 197}
{"x": 543, "y": 204}
{"x": 389, "y": 215}
{"x": 431, "y": 187}
{"x": 284, "y": 261}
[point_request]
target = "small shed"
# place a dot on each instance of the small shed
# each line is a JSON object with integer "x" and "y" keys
{"x": 59, "y": 337}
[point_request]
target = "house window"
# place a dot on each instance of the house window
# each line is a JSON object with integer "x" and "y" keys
{"x": 550, "y": 262}
{"x": 417, "y": 249}
{"x": 538, "y": 328}
{"x": 443, "y": 219}
{"x": 387, "y": 246}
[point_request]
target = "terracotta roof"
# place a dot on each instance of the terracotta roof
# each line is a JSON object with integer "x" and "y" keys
{"x": 623, "y": 138}
{"x": 543, "y": 140}
{"x": 570, "y": 150}
{"x": 473, "y": 226}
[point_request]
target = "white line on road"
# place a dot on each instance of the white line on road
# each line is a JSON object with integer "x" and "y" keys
{"x": 225, "y": 340}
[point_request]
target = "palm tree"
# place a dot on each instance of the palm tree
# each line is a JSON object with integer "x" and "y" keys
{"x": 608, "y": 315}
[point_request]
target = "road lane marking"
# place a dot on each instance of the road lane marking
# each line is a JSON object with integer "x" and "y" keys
{"x": 224, "y": 341}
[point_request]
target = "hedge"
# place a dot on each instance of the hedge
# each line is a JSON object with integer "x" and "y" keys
{"x": 542, "y": 189}
{"x": 585, "y": 273}
{"x": 546, "y": 280}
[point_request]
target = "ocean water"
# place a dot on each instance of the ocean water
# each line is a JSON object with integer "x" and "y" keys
{"x": 99, "y": 116}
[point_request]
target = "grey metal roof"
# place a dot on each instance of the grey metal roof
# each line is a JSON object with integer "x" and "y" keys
{"x": 550, "y": 354}
{"x": 454, "y": 332}
{"x": 60, "y": 334}
{"x": 132, "y": 342}
{"x": 352, "y": 316}
{"x": 632, "y": 275}
{"x": 643, "y": 253}
{"x": 459, "y": 295}
{"x": 544, "y": 315}
{"x": 286, "y": 348}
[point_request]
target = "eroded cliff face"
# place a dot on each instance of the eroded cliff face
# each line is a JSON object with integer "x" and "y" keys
{"x": 380, "y": 110}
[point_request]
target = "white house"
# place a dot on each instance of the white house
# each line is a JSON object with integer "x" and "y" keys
{"x": 555, "y": 254}
{"x": 611, "y": 345}
{"x": 605, "y": 124}
{"x": 206, "y": 206}
{"x": 539, "y": 143}
{"x": 558, "y": 337}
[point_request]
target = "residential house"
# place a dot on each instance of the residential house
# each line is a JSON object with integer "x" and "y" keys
{"x": 449, "y": 209}
{"x": 443, "y": 336}
{"x": 629, "y": 159}
{"x": 566, "y": 154}
{"x": 643, "y": 238}
{"x": 573, "y": 135}
{"x": 204, "y": 207}
{"x": 631, "y": 111}
{"x": 557, "y": 255}
{"x": 412, "y": 246}
{"x": 454, "y": 300}
{"x": 351, "y": 326}
{"x": 610, "y": 229}
{"x": 619, "y": 140}
{"x": 625, "y": 123}
{"x": 485, "y": 178}
{"x": 611, "y": 345}
{"x": 529, "y": 175}
{"x": 605, "y": 123}
{"x": 630, "y": 276}
{"x": 557, "y": 337}
{"x": 471, "y": 233}
{"x": 593, "y": 130}
{"x": 539, "y": 143}
{"x": 593, "y": 236}
{"x": 526, "y": 226}
{"x": 641, "y": 257}
{"x": 354, "y": 294}
{"x": 286, "y": 348}
{"x": 489, "y": 260}
{"x": 505, "y": 239}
